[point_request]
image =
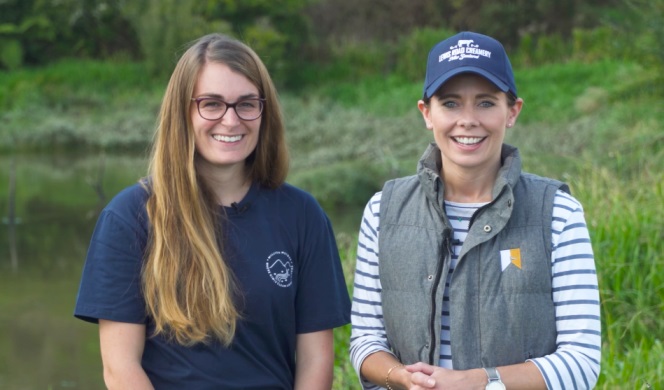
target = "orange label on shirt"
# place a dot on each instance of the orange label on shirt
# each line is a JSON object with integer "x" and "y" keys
{"x": 515, "y": 257}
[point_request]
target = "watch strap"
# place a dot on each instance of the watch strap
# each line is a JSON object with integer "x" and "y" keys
{"x": 492, "y": 373}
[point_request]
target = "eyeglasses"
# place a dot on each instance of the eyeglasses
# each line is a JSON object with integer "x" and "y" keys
{"x": 213, "y": 109}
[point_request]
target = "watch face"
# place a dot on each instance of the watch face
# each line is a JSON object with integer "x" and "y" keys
{"x": 495, "y": 385}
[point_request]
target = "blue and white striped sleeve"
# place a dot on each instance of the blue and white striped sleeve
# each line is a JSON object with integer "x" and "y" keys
{"x": 576, "y": 362}
{"x": 368, "y": 331}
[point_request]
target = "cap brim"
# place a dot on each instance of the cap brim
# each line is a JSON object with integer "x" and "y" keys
{"x": 464, "y": 69}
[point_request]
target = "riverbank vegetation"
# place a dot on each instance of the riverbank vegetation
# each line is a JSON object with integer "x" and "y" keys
{"x": 592, "y": 117}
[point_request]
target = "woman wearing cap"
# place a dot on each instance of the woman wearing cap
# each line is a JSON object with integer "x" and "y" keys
{"x": 213, "y": 273}
{"x": 472, "y": 274}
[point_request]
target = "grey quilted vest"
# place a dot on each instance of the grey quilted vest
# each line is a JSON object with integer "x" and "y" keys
{"x": 497, "y": 317}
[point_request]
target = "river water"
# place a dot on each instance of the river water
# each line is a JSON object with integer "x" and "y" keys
{"x": 48, "y": 207}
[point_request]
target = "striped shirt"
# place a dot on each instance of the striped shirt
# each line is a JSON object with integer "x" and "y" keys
{"x": 575, "y": 363}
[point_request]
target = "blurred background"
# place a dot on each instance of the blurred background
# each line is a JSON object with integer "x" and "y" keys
{"x": 81, "y": 83}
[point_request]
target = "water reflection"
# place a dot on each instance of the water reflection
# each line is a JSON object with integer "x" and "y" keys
{"x": 57, "y": 199}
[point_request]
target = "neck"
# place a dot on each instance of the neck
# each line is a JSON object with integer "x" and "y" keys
{"x": 229, "y": 184}
{"x": 469, "y": 187}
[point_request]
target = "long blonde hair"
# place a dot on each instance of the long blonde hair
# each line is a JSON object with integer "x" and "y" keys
{"x": 189, "y": 290}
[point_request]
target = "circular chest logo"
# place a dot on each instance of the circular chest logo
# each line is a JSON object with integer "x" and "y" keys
{"x": 280, "y": 268}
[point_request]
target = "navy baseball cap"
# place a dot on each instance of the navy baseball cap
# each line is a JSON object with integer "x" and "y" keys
{"x": 469, "y": 52}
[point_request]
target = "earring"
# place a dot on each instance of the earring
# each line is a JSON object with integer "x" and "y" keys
{"x": 509, "y": 125}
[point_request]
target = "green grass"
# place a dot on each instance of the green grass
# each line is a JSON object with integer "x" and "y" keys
{"x": 559, "y": 93}
{"x": 597, "y": 126}
{"x": 78, "y": 105}
{"x": 74, "y": 83}
{"x": 625, "y": 218}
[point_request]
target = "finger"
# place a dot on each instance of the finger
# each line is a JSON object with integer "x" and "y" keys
{"x": 422, "y": 380}
{"x": 420, "y": 367}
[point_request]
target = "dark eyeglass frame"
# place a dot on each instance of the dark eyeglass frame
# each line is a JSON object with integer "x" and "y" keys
{"x": 198, "y": 101}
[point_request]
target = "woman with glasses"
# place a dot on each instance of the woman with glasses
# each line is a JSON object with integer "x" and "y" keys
{"x": 212, "y": 272}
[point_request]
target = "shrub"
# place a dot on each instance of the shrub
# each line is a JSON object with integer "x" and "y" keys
{"x": 412, "y": 51}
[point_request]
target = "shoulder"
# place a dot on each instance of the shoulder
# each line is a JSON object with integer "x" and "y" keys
{"x": 290, "y": 194}
{"x": 372, "y": 209}
{"x": 290, "y": 190}
{"x": 370, "y": 224}
{"x": 374, "y": 202}
{"x": 399, "y": 185}
{"x": 129, "y": 204}
{"x": 403, "y": 181}
{"x": 538, "y": 190}
{"x": 564, "y": 204}
{"x": 136, "y": 193}
{"x": 536, "y": 180}
{"x": 562, "y": 197}
{"x": 290, "y": 200}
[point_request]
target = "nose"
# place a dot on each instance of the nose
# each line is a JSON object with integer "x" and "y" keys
{"x": 230, "y": 117}
{"x": 467, "y": 118}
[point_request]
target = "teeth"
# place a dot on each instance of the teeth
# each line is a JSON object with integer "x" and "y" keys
{"x": 225, "y": 138}
{"x": 468, "y": 140}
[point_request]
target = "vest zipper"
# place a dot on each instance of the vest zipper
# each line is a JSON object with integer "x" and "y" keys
{"x": 445, "y": 254}
{"x": 481, "y": 209}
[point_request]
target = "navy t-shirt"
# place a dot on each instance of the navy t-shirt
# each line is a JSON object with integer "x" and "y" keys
{"x": 281, "y": 249}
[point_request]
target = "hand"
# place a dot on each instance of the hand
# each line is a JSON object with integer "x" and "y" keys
{"x": 427, "y": 377}
{"x": 421, "y": 376}
{"x": 402, "y": 379}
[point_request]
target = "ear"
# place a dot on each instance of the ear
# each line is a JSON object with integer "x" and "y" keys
{"x": 514, "y": 112}
{"x": 426, "y": 113}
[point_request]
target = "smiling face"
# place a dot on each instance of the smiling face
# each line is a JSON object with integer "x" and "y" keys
{"x": 227, "y": 142}
{"x": 468, "y": 116}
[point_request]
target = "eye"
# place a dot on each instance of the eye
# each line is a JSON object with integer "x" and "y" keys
{"x": 248, "y": 104}
{"x": 449, "y": 103}
{"x": 211, "y": 104}
{"x": 486, "y": 104}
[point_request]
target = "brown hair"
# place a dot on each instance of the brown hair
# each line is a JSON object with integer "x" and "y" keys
{"x": 189, "y": 290}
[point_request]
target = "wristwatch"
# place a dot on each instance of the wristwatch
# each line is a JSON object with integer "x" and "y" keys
{"x": 494, "y": 379}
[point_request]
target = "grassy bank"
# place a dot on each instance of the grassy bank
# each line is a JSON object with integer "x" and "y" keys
{"x": 79, "y": 105}
{"x": 597, "y": 126}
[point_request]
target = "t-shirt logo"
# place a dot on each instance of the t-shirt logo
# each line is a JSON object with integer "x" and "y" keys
{"x": 280, "y": 268}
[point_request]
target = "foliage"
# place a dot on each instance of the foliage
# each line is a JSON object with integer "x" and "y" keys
{"x": 11, "y": 48}
{"x": 371, "y": 21}
{"x": 290, "y": 34}
{"x": 344, "y": 373}
{"x": 78, "y": 104}
{"x": 277, "y": 30}
{"x": 41, "y": 31}
{"x": 412, "y": 50}
{"x": 342, "y": 184}
{"x": 642, "y": 24}
{"x": 388, "y": 20}
{"x": 163, "y": 29}
{"x": 11, "y": 53}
